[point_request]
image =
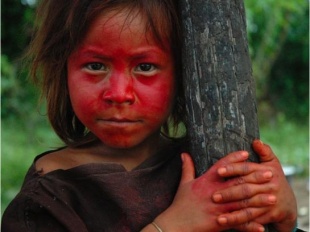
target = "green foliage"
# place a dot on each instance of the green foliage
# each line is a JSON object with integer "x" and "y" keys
{"x": 16, "y": 24}
{"x": 268, "y": 21}
{"x": 20, "y": 144}
{"x": 279, "y": 44}
{"x": 18, "y": 96}
{"x": 289, "y": 81}
{"x": 289, "y": 141}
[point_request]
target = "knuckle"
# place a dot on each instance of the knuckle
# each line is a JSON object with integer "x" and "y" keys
{"x": 274, "y": 187}
{"x": 246, "y": 191}
{"x": 239, "y": 180}
{"x": 273, "y": 217}
{"x": 248, "y": 213}
{"x": 245, "y": 226}
{"x": 229, "y": 168}
{"x": 245, "y": 168}
{"x": 244, "y": 203}
{"x": 258, "y": 176}
{"x": 248, "y": 226}
{"x": 228, "y": 196}
{"x": 234, "y": 220}
{"x": 262, "y": 199}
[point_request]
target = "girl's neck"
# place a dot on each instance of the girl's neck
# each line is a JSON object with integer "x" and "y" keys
{"x": 100, "y": 153}
{"x": 128, "y": 158}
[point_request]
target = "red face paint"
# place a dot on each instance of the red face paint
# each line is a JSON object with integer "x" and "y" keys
{"x": 121, "y": 82}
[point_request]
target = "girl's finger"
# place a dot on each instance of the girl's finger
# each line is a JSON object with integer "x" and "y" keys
{"x": 254, "y": 177}
{"x": 250, "y": 227}
{"x": 260, "y": 200}
{"x": 239, "y": 169}
{"x": 241, "y": 216}
{"x": 233, "y": 157}
{"x": 264, "y": 151}
{"x": 188, "y": 169}
{"x": 240, "y": 192}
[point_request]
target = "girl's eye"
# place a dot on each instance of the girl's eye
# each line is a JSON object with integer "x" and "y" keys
{"x": 96, "y": 67}
{"x": 145, "y": 67}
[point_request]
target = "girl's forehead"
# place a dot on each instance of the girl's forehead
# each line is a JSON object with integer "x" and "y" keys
{"x": 118, "y": 31}
{"x": 119, "y": 21}
{"x": 123, "y": 17}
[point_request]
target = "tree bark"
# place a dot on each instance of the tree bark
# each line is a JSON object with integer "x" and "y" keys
{"x": 219, "y": 87}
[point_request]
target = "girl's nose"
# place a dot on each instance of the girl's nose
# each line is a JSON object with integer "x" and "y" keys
{"x": 120, "y": 90}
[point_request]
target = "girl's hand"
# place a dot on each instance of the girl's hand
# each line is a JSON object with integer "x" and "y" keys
{"x": 282, "y": 213}
{"x": 194, "y": 209}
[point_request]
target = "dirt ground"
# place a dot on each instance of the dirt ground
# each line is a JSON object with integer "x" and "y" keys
{"x": 301, "y": 190}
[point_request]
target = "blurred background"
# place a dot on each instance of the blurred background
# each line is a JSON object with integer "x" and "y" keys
{"x": 278, "y": 33}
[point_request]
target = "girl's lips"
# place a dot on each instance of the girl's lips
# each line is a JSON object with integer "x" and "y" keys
{"x": 120, "y": 124}
{"x": 120, "y": 120}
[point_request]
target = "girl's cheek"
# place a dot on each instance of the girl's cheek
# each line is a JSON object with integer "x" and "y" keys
{"x": 158, "y": 104}
{"x": 83, "y": 102}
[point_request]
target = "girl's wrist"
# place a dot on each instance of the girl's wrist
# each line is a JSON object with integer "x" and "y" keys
{"x": 157, "y": 227}
{"x": 149, "y": 228}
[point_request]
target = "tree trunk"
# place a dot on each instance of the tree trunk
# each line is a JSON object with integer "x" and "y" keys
{"x": 219, "y": 88}
{"x": 220, "y": 91}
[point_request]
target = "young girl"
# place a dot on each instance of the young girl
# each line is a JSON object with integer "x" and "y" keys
{"x": 111, "y": 77}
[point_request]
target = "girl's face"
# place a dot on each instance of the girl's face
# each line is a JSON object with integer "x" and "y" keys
{"x": 121, "y": 82}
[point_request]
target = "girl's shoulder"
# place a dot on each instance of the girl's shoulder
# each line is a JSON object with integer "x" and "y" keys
{"x": 64, "y": 158}
{"x": 52, "y": 160}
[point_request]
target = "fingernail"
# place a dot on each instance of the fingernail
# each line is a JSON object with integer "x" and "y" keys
{"x": 221, "y": 171}
{"x": 222, "y": 220}
{"x": 217, "y": 197}
{"x": 261, "y": 229}
{"x": 244, "y": 154}
{"x": 268, "y": 175}
{"x": 183, "y": 157}
{"x": 272, "y": 199}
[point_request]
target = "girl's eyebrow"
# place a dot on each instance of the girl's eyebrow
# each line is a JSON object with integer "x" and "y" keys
{"x": 92, "y": 53}
{"x": 147, "y": 51}
{"x": 138, "y": 54}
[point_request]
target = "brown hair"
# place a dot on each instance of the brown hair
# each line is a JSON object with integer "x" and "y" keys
{"x": 62, "y": 25}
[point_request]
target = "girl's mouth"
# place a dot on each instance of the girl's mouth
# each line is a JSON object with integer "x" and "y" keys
{"x": 119, "y": 121}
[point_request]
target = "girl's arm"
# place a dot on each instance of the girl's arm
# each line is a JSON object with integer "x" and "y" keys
{"x": 254, "y": 195}
{"x": 194, "y": 208}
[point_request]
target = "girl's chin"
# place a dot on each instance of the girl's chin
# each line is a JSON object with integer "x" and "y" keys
{"x": 120, "y": 143}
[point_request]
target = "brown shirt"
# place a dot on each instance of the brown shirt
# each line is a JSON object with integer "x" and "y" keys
{"x": 95, "y": 197}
